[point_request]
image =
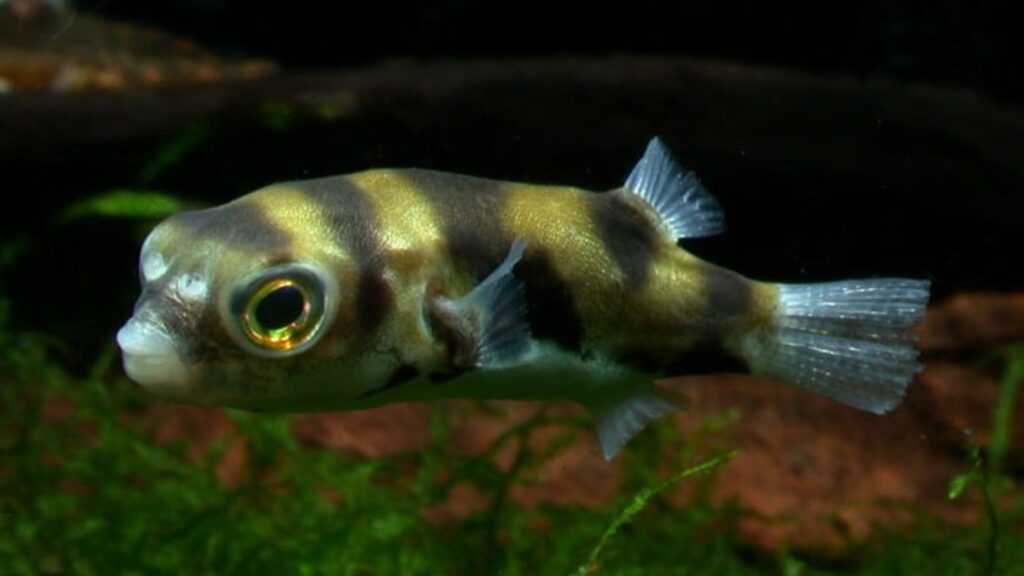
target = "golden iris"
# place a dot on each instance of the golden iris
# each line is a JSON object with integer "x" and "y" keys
{"x": 280, "y": 315}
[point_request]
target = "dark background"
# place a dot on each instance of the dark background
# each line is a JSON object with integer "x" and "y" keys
{"x": 960, "y": 43}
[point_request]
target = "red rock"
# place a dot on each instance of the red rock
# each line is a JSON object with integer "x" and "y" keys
{"x": 804, "y": 459}
{"x": 370, "y": 434}
{"x": 972, "y": 322}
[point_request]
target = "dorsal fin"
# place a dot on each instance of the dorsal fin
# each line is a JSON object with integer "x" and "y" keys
{"x": 686, "y": 209}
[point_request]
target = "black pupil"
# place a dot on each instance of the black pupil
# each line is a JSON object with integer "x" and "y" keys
{"x": 280, "y": 308}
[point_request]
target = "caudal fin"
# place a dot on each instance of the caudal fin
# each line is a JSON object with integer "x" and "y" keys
{"x": 849, "y": 340}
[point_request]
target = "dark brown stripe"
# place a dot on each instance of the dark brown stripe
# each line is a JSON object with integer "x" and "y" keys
{"x": 627, "y": 233}
{"x": 729, "y": 300}
{"x": 374, "y": 299}
{"x": 352, "y": 218}
{"x": 237, "y": 225}
{"x": 350, "y": 215}
{"x": 707, "y": 356}
{"x": 469, "y": 211}
{"x": 551, "y": 306}
{"x": 729, "y": 297}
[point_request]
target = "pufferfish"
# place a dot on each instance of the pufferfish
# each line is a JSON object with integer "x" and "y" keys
{"x": 399, "y": 285}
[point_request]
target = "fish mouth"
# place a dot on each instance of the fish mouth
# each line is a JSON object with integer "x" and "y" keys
{"x": 151, "y": 358}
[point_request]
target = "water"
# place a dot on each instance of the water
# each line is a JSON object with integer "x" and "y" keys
{"x": 835, "y": 163}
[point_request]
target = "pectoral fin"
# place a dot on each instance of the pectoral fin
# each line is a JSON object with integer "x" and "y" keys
{"x": 488, "y": 327}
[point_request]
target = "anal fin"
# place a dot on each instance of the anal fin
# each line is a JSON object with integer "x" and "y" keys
{"x": 488, "y": 327}
{"x": 618, "y": 421}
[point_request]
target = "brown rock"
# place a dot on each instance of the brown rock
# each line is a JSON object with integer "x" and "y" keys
{"x": 370, "y": 434}
{"x": 973, "y": 322}
{"x": 816, "y": 473}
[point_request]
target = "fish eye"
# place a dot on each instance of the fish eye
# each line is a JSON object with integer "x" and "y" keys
{"x": 283, "y": 311}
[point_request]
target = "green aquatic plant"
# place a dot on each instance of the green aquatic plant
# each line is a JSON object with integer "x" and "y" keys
{"x": 987, "y": 476}
{"x": 1002, "y": 417}
{"x": 127, "y": 203}
{"x": 173, "y": 152}
{"x": 640, "y": 502}
{"x": 141, "y": 202}
{"x": 86, "y": 488}
{"x": 90, "y": 491}
{"x": 979, "y": 475}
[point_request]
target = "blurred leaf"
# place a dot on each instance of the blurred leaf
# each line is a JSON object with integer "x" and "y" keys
{"x": 960, "y": 483}
{"x": 124, "y": 203}
{"x": 276, "y": 114}
{"x": 793, "y": 567}
{"x": 11, "y": 249}
{"x": 979, "y": 476}
{"x": 1002, "y": 418}
{"x": 174, "y": 152}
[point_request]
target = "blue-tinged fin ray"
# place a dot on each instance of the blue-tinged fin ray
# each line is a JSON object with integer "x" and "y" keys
{"x": 499, "y": 305}
{"x": 618, "y": 421}
{"x": 850, "y": 340}
{"x": 685, "y": 207}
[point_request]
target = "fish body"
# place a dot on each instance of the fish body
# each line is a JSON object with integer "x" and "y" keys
{"x": 390, "y": 285}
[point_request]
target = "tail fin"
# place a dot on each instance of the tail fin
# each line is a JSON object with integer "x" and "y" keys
{"x": 848, "y": 340}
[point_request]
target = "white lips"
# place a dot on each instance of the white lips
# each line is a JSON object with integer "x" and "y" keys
{"x": 150, "y": 357}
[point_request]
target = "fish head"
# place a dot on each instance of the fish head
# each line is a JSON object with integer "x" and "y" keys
{"x": 240, "y": 307}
